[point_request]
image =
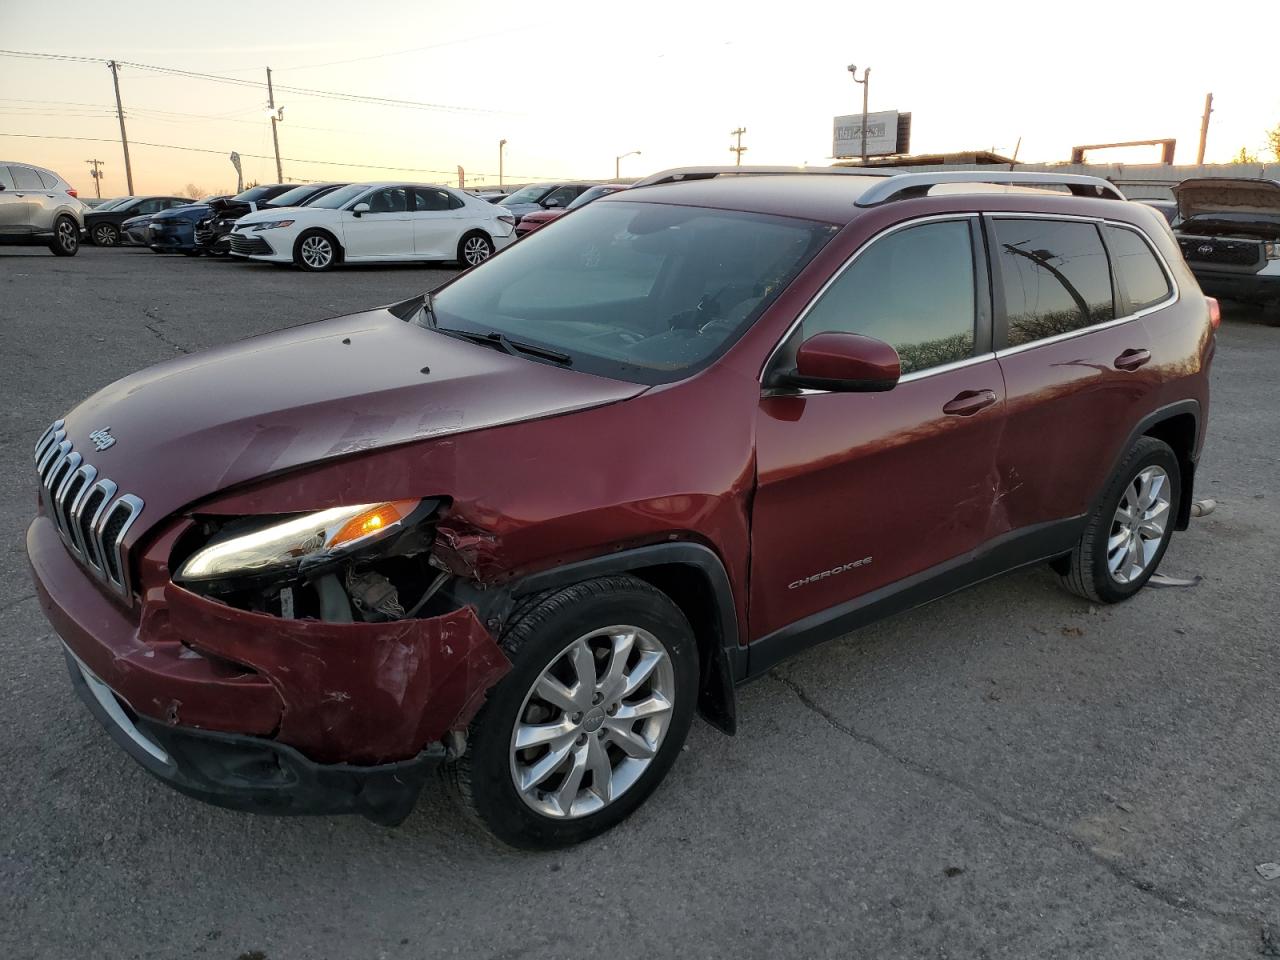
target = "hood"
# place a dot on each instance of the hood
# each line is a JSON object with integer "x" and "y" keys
{"x": 139, "y": 220}
{"x": 1227, "y": 195}
{"x": 190, "y": 427}
{"x": 196, "y": 210}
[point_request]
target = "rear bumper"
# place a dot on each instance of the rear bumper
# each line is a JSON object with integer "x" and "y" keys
{"x": 253, "y": 774}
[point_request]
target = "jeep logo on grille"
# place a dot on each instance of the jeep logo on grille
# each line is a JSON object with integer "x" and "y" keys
{"x": 102, "y": 439}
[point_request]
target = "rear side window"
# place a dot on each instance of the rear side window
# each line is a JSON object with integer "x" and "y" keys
{"x": 24, "y": 178}
{"x": 433, "y": 199}
{"x": 1137, "y": 270}
{"x": 913, "y": 289}
{"x": 47, "y": 179}
{"x": 1055, "y": 275}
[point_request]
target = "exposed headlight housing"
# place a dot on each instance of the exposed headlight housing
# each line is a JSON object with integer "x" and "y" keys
{"x": 1272, "y": 249}
{"x": 271, "y": 225}
{"x": 288, "y": 545}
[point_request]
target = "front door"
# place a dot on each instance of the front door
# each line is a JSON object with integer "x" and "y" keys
{"x": 385, "y": 230}
{"x": 857, "y": 491}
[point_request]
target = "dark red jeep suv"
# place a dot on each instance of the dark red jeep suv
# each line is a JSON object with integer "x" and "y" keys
{"x": 521, "y": 529}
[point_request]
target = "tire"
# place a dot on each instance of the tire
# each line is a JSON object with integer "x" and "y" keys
{"x": 597, "y": 617}
{"x": 105, "y": 235}
{"x": 66, "y": 237}
{"x": 309, "y": 251}
{"x": 474, "y": 249}
{"x": 1114, "y": 559}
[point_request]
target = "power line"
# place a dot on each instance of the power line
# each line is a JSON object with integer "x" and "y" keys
{"x": 263, "y": 156}
{"x": 257, "y": 84}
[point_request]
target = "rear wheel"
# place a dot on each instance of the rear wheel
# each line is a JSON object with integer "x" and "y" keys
{"x": 66, "y": 237}
{"x": 589, "y": 720}
{"x": 105, "y": 235}
{"x": 475, "y": 248}
{"x": 316, "y": 250}
{"x": 1128, "y": 532}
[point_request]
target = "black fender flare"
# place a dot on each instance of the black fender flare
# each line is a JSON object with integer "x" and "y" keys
{"x": 724, "y": 660}
{"x": 1143, "y": 427}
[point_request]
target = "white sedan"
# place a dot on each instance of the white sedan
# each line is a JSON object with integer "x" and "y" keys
{"x": 377, "y": 222}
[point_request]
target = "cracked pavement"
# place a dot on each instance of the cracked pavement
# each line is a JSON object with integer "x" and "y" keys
{"x": 1006, "y": 773}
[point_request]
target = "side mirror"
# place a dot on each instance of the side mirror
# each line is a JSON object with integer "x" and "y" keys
{"x": 360, "y": 208}
{"x": 844, "y": 363}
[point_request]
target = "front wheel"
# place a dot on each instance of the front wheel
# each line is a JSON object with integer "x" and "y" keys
{"x": 66, "y": 237}
{"x": 591, "y": 717}
{"x": 315, "y": 251}
{"x": 475, "y": 248}
{"x": 1129, "y": 530}
{"x": 105, "y": 235}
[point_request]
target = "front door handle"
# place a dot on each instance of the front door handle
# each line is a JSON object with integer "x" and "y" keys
{"x": 968, "y": 403}
{"x": 1132, "y": 359}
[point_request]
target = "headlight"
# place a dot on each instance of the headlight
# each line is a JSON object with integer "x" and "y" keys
{"x": 290, "y": 543}
{"x": 273, "y": 224}
{"x": 1272, "y": 249}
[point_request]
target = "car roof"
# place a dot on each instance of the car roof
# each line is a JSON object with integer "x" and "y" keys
{"x": 841, "y": 198}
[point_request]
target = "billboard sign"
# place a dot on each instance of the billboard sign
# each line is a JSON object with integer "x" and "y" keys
{"x": 885, "y": 134}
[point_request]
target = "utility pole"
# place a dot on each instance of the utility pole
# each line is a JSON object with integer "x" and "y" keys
{"x": 739, "y": 148}
{"x": 275, "y": 137}
{"x": 1204, "y": 127}
{"x": 124, "y": 137}
{"x": 617, "y": 163}
{"x": 97, "y": 176}
{"x": 866, "y": 87}
{"x": 502, "y": 146}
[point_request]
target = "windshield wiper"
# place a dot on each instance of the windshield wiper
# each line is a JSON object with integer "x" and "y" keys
{"x": 500, "y": 341}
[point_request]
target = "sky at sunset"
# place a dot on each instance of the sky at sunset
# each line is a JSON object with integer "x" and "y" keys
{"x": 572, "y": 85}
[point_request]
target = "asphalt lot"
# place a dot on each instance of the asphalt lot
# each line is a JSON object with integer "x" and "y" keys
{"x": 1005, "y": 773}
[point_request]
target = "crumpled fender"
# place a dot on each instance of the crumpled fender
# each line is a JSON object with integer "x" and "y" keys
{"x": 354, "y": 692}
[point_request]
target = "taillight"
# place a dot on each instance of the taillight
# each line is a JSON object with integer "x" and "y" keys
{"x": 72, "y": 191}
{"x": 1215, "y": 311}
{"x": 507, "y": 218}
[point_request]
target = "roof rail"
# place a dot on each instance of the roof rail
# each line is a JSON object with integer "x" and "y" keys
{"x": 905, "y": 186}
{"x": 680, "y": 174}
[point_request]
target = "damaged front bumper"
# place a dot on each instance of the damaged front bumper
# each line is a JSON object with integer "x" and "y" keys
{"x": 255, "y": 712}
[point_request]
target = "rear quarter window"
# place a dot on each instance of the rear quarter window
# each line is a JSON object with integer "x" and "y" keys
{"x": 1138, "y": 271}
{"x": 1055, "y": 277}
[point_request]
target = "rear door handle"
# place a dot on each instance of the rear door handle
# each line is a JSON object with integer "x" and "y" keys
{"x": 968, "y": 403}
{"x": 1132, "y": 359}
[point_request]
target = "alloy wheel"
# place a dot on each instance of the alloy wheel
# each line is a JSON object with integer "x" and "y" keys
{"x": 67, "y": 238}
{"x": 476, "y": 250}
{"x": 317, "y": 252}
{"x": 104, "y": 236}
{"x": 592, "y": 722}
{"x": 1139, "y": 526}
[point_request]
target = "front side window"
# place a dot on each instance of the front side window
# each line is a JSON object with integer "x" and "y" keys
{"x": 1055, "y": 276}
{"x": 914, "y": 289}
{"x": 561, "y": 197}
{"x": 390, "y": 200}
{"x": 644, "y": 292}
{"x": 154, "y": 205}
{"x": 24, "y": 178}
{"x": 1137, "y": 269}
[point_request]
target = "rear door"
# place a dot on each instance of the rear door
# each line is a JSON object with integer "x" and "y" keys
{"x": 41, "y": 202}
{"x": 385, "y": 231}
{"x": 858, "y": 491}
{"x": 13, "y": 207}
{"x": 436, "y": 214}
{"x": 1076, "y": 364}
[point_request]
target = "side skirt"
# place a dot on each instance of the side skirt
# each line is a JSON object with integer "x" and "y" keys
{"x": 1021, "y": 548}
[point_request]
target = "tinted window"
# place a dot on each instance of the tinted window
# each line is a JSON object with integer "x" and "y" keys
{"x": 561, "y": 197}
{"x": 530, "y": 194}
{"x": 433, "y": 199}
{"x": 24, "y": 178}
{"x": 1056, "y": 277}
{"x": 390, "y": 200}
{"x": 47, "y": 179}
{"x": 1137, "y": 270}
{"x": 154, "y": 205}
{"x": 913, "y": 289}
{"x": 644, "y": 292}
{"x": 340, "y": 197}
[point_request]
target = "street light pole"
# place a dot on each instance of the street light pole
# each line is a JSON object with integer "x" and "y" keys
{"x": 866, "y": 87}
{"x": 502, "y": 145}
{"x": 617, "y": 162}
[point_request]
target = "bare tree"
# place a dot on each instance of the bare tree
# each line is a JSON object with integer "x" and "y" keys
{"x": 193, "y": 191}
{"x": 1273, "y": 139}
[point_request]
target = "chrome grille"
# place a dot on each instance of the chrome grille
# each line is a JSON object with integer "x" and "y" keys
{"x": 91, "y": 519}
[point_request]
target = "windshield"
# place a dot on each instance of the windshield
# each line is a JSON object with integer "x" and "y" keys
{"x": 643, "y": 292}
{"x": 295, "y": 197}
{"x": 332, "y": 201}
{"x": 253, "y": 193}
{"x": 531, "y": 194}
{"x": 595, "y": 193}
